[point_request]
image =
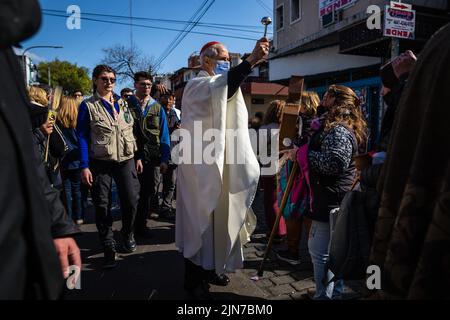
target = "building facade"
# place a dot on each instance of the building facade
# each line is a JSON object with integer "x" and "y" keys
{"x": 328, "y": 42}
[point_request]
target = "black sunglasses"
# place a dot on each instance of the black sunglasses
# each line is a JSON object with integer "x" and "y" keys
{"x": 106, "y": 79}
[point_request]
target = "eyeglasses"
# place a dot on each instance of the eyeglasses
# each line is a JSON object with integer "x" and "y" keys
{"x": 106, "y": 79}
{"x": 127, "y": 96}
{"x": 145, "y": 84}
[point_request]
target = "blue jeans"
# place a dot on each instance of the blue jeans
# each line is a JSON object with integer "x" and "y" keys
{"x": 319, "y": 247}
{"x": 72, "y": 191}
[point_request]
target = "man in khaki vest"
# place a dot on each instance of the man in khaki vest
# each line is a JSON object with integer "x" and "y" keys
{"x": 107, "y": 146}
{"x": 153, "y": 148}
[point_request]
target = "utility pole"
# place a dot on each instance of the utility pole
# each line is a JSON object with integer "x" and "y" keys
{"x": 395, "y": 45}
{"x": 49, "y": 77}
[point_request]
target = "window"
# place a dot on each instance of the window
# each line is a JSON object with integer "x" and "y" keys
{"x": 296, "y": 13}
{"x": 280, "y": 17}
{"x": 187, "y": 77}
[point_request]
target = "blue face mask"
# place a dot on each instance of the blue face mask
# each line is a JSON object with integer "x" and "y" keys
{"x": 222, "y": 67}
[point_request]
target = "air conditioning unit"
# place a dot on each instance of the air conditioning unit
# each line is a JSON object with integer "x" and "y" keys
{"x": 331, "y": 18}
{"x": 328, "y": 19}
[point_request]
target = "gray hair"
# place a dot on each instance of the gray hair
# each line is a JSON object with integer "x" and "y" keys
{"x": 210, "y": 52}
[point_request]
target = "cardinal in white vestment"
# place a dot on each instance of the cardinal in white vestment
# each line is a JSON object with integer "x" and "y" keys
{"x": 216, "y": 185}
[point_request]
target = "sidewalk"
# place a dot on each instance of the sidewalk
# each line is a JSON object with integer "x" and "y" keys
{"x": 156, "y": 270}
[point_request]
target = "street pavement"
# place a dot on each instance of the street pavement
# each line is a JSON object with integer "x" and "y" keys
{"x": 156, "y": 270}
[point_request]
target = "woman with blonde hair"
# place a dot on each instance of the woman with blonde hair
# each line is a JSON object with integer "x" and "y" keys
{"x": 332, "y": 173}
{"x": 272, "y": 121}
{"x": 38, "y": 96}
{"x": 70, "y": 163}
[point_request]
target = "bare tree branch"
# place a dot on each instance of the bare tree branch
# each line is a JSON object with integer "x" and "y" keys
{"x": 127, "y": 61}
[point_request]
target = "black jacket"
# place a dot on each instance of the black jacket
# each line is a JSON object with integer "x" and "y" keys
{"x": 57, "y": 149}
{"x": 329, "y": 190}
{"x": 71, "y": 158}
{"x": 31, "y": 214}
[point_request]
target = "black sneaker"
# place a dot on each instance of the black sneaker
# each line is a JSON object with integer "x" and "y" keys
{"x": 129, "y": 244}
{"x": 109, "y": 260}
{"x": 217, "y": 279}
{"x": 289, "y": 257}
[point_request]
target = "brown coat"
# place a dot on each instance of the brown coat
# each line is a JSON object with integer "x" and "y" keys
{"x": 412, "y": 237}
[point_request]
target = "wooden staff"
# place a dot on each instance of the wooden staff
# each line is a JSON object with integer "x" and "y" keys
{"x": 288, "y": 132}
{"x": 286, "y": 194}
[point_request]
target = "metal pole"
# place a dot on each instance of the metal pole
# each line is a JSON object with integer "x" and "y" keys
{"x": 286, "y": 194}
{"x": 49, "y": 77}
{"x": 24, "y": 69}
{"x": 131, "y": 23}
{"x": 395, "y": 47}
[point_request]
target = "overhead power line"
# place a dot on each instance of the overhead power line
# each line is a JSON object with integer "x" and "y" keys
{"x": 168, "y": 49}
{"x": 264, "y": 6}
{"x": 173, "y": 47}
{"x": 239, "y": 27}
{"x": 152, "y": 27}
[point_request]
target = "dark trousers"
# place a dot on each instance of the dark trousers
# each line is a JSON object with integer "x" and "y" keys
{"x": 148, "y": 198}
{"x": 125, "y": 177}
{"x": 72, "y": 190}
{"x": 169, "y": 181}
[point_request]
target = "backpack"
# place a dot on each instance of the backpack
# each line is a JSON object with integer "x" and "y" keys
{"x": 352, "y": 235}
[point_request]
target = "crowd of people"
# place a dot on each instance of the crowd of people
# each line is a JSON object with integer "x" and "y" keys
{"x": 56, "y": 158}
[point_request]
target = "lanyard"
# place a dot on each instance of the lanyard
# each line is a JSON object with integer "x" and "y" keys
{"x": 147, "y": 107}
{"x": 115, "y": 114}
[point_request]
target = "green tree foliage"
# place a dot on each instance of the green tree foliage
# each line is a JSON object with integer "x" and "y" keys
{"x": 63, "y": 73}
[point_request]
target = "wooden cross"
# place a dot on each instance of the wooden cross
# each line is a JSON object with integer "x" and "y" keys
{"x": 288, "y": 127}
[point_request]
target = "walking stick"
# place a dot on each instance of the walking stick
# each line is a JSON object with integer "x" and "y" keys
{"x": 279, "y": 214}
{"x": 288, "y": 130}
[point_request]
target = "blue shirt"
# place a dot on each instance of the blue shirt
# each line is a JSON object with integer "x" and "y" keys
{"x": 164, "y": 136}
{"x": 83, "y": 129}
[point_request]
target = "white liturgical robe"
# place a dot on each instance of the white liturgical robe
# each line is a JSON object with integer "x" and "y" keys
{"x": 217, "y": 178}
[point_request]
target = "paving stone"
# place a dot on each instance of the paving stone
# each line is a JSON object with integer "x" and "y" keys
{"x": 249, "y": 271}
{"x": 267, "y": 275}
{"x": 282, "y": 272}
{"x": 280, "y": 290}
{"x": 282, "y": 297}
{"x": 262, "y": 283}
{"x": 299, "y": 295}
{"x": 249, "y": 250}
{"x": 251, "y": 257}
{"x": 303, "y": 284}
{"x": 282, "y": 280}
{"x": 259, "y": 253}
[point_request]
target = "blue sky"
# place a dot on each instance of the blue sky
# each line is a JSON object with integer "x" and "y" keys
{"x": 84, "y": 46}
